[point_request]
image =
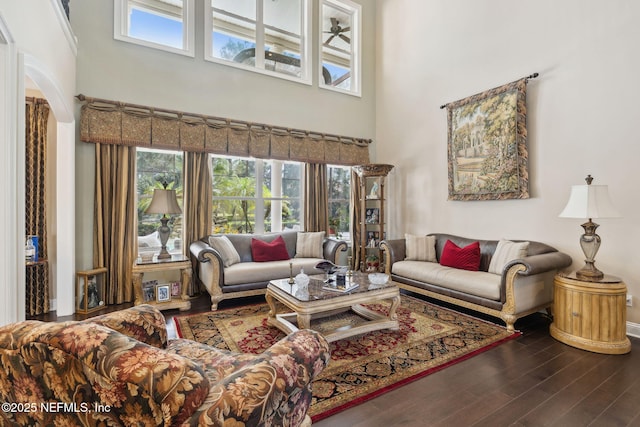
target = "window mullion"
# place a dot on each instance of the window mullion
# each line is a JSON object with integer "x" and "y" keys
{"x": 259, "y": 58}
{"x": 276, "y": 192}
{"x": 259, "y": 214}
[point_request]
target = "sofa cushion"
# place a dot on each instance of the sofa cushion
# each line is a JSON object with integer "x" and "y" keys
{"x": 256, "y": 272}
{"x": 242, "y": 242}
{"x": 466, "y": 258}
{"x": 269, "y": 251}
{"x": 227, "y": 251}
{"x": 507, "y": 251}
{"x": 309, "y": 245}
{"x": 421, "y": 248}
{"x": 478, "y": 283}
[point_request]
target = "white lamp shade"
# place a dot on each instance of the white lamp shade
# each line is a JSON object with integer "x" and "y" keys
{"x": 163, "y": 202}
{"x": 589, "y": 201}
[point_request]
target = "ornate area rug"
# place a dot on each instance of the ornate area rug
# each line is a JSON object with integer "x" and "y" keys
{"x": 430, "y": 338}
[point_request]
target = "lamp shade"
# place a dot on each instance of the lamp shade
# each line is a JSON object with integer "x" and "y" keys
{"x": 163, "y": 202}
{"x": 589, "y": 201}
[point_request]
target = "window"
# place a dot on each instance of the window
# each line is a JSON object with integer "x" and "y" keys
{"x": 160, "y": 24}
{"x": 153, "y": 169}
{"x": 260, "y": 35}
{"x": 339, "y": 193}
{"x": 340, "y": 48}
{"x": 256, "y": 196}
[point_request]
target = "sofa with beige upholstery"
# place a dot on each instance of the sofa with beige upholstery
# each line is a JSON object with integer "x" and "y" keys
{"x": 510, "y": 280}
{"x": 226, "y": 267}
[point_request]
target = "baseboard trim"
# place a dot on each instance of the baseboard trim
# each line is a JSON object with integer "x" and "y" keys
{"x": 633, "y": 329}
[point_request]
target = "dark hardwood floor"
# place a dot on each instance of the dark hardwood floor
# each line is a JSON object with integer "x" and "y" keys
{"x": 533, "y": 380}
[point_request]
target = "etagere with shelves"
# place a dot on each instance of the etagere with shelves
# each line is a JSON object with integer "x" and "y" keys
{"x": 372, "y": 200}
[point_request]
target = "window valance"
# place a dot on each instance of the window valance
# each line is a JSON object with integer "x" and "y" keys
{"x": 111, "y": 122}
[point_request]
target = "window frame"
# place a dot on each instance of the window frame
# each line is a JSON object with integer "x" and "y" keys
{"x": 355, "y": 11}
{"x": 121, "y": 27}
{"x": 259, "y": 199}
{"x": 305, "y": 44}
{"x": 346, "y": 235}
{"x": 181, "y": 215}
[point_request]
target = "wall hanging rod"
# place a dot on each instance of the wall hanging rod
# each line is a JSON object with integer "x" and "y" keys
{"x": 526, "y": 80}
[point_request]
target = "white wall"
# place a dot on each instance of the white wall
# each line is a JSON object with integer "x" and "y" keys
{"x": 582, "y": 114}
{"x": 125, "y": 72}
{"x": 41, "y": 46}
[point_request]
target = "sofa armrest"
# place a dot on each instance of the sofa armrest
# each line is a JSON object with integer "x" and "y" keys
{"x": 209, "y": 267}
{"x": 200, "y": 249}
{"x": 144, "y": 323}
{"x": 536, "y": 264}
{"x": 528, "y": 267}
{"x": 275, "y": 385}
{"x": 395, "y": 250}
{"x": 87, "y": 362}
{"x": 331, "y": 247}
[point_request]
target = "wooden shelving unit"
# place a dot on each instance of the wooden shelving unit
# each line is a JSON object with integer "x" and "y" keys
{"x": 372, "y": 211}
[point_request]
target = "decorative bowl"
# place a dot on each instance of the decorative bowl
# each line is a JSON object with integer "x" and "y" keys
{"x": 378, "y": 278}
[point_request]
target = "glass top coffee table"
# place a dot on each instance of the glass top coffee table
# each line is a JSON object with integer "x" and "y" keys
{"x": 316, "y": 302}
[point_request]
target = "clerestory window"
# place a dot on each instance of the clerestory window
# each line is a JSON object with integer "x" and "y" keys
{"x": 340, "y": 45}
{"x": 161, "y": 24}
{"x": 266, "y": 36}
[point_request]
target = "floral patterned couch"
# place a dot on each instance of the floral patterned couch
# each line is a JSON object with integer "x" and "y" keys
{"x": 120, "y": 369}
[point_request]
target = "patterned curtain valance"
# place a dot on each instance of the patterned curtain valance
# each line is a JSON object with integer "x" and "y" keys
{"x": 112, "y": 122}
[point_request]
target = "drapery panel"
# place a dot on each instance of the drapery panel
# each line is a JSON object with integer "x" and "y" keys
{"x": 356, "y": 219}
{"x": 37, "y": 275}
{"x": 316, "y": 211}
{"x": 111, "y": 122}
{"x": 198, "y": 193}
{"x": 115, "y": 219}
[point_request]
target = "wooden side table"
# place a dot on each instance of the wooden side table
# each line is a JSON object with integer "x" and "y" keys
{"x": 590, "y": 315}
{"x": 177, "y": 262}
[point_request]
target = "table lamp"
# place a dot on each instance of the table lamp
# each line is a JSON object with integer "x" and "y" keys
{"x": 163, "y": 202}
{"x": 589, "y": 201}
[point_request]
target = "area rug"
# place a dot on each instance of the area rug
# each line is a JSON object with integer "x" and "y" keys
{"x": 362, "y": 367}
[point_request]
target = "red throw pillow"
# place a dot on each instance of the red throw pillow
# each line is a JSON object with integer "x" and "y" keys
{"x": 262, "y": 251}
{"x": 467, "y": 258}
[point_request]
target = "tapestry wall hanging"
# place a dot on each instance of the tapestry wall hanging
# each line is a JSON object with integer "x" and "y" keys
{"x": 487, "y": 144}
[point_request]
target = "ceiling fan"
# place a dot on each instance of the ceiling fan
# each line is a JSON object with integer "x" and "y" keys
{"x": 336, "y": 31}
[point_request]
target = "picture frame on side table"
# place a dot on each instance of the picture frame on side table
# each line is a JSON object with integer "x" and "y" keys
{"x": 163, "y": 293}
{"x": 487, "y": 145}
{"x": 175, "y": 289}
{"x": 149, "y": 292}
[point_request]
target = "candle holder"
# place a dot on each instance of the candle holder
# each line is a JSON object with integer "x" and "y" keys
{"x": 291, "y": 279}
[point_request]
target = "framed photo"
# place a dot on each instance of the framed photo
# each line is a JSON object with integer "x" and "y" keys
{"x": 175, "y": 289}
{"x": 487, "y": 145}
{"x": 372, "y": 215}
{"x": 149, "y": 293}
{"x": 163, "y": 293}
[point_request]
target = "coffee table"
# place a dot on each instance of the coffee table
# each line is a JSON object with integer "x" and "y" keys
{"x": 316, "y": 303}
